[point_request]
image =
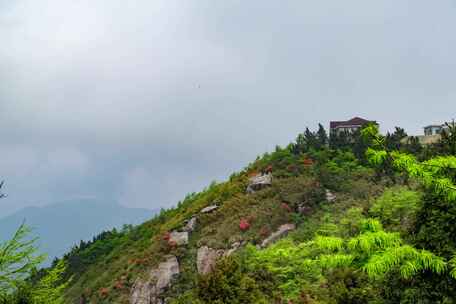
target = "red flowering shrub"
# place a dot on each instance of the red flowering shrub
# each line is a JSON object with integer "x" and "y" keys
{"x": 308, "y": 162}
{"x": 166, "y": 236}
{"x": 103, "y": 292}
{"x": 244, "y": 225}
{"x": 291, "y": 168}
{"x": 118, "y": 285}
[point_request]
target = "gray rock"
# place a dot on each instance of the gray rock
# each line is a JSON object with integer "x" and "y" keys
{"x": 209, "y": 209}
{"x": 164, "y": 273}
{"x": 235, "y": 246}
{"x": 258, "y": 182}
{"x": 142, "y": 292}
{"x": 190, "y": 226}
{"x": 148, "y": 291}
{"x": 281, "y": 232}
{"x": 330, "y": 196}
{"x": 304, "y": 210}
{"x": 206, "y": 258}
{"x": 179, "y": 238}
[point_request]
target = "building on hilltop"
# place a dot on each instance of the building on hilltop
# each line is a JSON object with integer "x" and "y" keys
{"x": 432, "y": 134}
{"x": 350, "y": 126}
{"x": 434, "y": 129}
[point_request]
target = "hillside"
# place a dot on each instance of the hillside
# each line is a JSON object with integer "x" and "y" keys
{"x": 61, "y": 225}
{"x": 308, "y": 223}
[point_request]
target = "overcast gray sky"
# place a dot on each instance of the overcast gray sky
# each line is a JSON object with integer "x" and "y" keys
{"x": 141, "y": 102}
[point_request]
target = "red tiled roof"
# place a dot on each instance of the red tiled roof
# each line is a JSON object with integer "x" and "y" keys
{"x": 356, "y": 121}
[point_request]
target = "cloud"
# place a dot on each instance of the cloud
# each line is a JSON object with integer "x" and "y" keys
{"x": 142, "y": 102}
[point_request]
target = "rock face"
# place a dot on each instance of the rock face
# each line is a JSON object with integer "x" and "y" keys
{"x": 179, "y": 238}
{"x": 330, "y": 196}
{"x": 142, "y": 293}
{"x": 304, "y": 210}
{"x": 190, "y": 226}
{"x": 281, "y": 232}
{"x": 209, "y": 209}
{"x": 164, "y": 273}
{"x": 258, "y": 182}
{"x": 148, "y": 291}
{"x": 235, "y": 246}
{"x": 206, "y": 258}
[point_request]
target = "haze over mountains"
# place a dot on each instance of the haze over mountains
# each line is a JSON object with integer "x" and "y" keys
{"x": 60, "y": 226}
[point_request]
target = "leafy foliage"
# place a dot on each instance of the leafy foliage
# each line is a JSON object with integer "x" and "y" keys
{"x": 397, "y": 208}
{"x": 17, "y": 259}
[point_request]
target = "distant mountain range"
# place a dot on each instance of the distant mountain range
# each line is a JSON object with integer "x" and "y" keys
{"x": 62, "y": 225}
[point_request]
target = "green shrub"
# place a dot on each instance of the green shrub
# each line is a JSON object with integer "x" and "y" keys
{"x": 397, "y": 208}
{"x": 227, "y": 284}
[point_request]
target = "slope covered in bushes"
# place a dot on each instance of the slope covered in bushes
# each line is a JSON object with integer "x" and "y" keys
{"x": 370, "y": 228}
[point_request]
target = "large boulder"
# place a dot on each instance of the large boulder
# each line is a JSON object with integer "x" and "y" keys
{"x": 281, "y": 232}
{"x": 143, "y": 292}
{"x": 206, "y": 258}
{"x": 190, "y": 225}
{"x": 164, "y": 273}
{"x": 258, "y": 182}
{"x": 147, "y": 291}
{"x": 178, "y": 238}
{"x": 330, "y": 196}
{"x": 209, "y": 209}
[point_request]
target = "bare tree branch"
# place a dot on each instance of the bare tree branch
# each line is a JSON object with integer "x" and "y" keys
{"x": 2, "y": 195}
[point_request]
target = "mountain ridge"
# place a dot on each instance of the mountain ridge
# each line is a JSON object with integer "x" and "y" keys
{"x": 59, "y": 226}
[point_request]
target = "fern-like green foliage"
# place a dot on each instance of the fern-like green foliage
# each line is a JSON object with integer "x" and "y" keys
{"x": 371, "y": 242}
{"x": 18, "y": 257}
{"x": 329, "y": 243}
{"x": 49, "y": 290}
{"x": 373, "y": 251}
{"x": 438, "y": 176}
{"x": 409, "y": 260}
{"x": 435, "y": 174}
{"x": 397, "y": 208}
{"x": 328, "y": 261}
{"x": 453, "y": 267}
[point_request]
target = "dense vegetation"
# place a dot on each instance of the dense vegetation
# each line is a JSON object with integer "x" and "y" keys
{"x": 388, "y": 237}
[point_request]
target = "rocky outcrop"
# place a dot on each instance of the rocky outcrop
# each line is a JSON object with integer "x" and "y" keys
{"x": 147, "y": 291}
{"x": 206, "y": 258}
{"x": 330, "y": 196}
{"x": 304, "y": 209}
{"x": 178, "y": 238}
{"x": 235, "y": 246}
{"x": 259, "y": 182}
{"x": 190, "y": 225}
{"x": 281, "y": 232}
{"x": 142, "y": 293}
{"x": 209, "y": 209}
{"x": 164, "y": 273}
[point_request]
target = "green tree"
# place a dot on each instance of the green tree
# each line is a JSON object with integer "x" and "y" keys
{"x": 322, "y": 137}
{"x": 393, "y": 140}
{"x": 18, "y": 258}
{"x": 311, "y": 139}
{"x": 397, "y": 208}
{"x": 227, "y": 284}
{"x": 448, "y": 140}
